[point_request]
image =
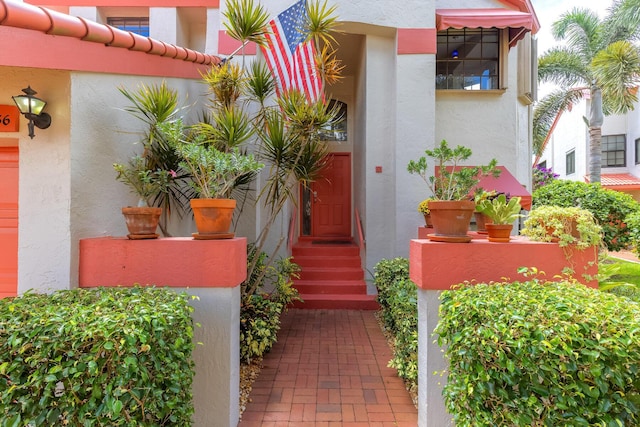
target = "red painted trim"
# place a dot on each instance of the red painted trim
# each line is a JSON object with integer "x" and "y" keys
{"x": 482, "y": 261}
{"x": 227, "y": 45}
{"x": 67, "y": 53}
{"x": 177, "y": 262}
{"x": 417, "y": 41}
{"x": 215, "y": 4}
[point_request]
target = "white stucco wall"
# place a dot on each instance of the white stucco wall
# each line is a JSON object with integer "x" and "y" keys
{"x": 44, "y": 246}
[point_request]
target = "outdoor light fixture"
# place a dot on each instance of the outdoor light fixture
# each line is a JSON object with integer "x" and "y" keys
{"x": 454, "y": 54}
{"x": 31, "y": 107}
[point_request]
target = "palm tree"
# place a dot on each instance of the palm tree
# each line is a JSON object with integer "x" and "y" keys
{"x": 600, "y": 62}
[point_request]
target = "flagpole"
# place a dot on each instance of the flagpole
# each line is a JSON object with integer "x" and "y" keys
{"x": 234, "y": 52}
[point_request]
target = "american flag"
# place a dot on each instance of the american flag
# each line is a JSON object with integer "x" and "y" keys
{"x": 290, "y": 58}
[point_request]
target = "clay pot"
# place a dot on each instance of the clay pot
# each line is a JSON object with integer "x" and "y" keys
{"x": 142, "y": 222}
{"x": 481, "y": 221}
{"x": 500, "y": 233}
{"x": 427, "y": 221}
{"x": 213, "y": 218}
{"x": 451, "y": 219}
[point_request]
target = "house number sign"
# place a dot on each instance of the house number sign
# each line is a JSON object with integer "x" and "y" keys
{"x": 9, "y": 118}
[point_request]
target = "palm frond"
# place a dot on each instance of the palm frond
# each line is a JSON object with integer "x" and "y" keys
{"x": 617, "y": 71}
{"x": 246, "y": 21}
{"x": 623, "y": 21}
{"x": 321, "y": 22}
{"x": 582, "y": 31}
{"x": 564, "y": 68}
{"x": 546, "y": 111}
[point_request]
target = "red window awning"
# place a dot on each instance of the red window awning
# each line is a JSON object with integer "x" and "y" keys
{"x": 517, "y": 22}
{"x": 505, "y": 183}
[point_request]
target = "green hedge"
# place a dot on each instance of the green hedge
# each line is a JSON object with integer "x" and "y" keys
{"x": 397, "y": 296}
{"x": 103, "y": 357}
{"x": 610, "y": 208}
{"x": 544, "y": 354}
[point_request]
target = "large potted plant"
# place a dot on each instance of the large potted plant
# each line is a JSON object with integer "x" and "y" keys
{"x": 451, "y": 184}
{"x": 147, "y": 184}
{"x": 570, "y": 226}
{"x": 214, "y": 174}
{"x": 502, "y": 212}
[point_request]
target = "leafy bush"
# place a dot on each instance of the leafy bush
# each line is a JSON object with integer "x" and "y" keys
{"x": 610, "y": 208}
{"x": 265, "y": 295}
{"x": 103, "y": 357}
{"x": 540, "y": 353}
{"x": 397, "y": 295}
{"x": 633, "y": 223}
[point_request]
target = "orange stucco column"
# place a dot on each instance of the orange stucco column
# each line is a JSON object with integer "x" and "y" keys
{"x": 438, "y": 266}
{"x": 174, "y": 262}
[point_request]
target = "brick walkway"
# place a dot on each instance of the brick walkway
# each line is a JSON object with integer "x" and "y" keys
{"x": 329, "y": 368}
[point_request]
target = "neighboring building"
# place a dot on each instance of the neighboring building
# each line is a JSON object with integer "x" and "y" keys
{"x": 416, "y": 72}
{"x": 567, "y": 150}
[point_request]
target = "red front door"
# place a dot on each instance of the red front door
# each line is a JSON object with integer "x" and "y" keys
{"x": 331, "y": 199}
{"x": 8, "y": 221}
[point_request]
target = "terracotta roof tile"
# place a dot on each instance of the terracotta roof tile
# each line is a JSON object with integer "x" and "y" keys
{"x": 618, "y": 181}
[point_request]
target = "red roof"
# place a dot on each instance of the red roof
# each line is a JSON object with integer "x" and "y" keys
{"x": 619, "y": 181}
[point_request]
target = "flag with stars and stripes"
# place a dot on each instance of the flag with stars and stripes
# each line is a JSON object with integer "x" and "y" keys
{"x": 289, "y": 57}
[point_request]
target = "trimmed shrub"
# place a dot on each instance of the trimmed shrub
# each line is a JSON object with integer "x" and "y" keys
{"x": 103, "y": 357}
{"x": 540, "y": 353}
{"x": 265, "y": 296}
{"x": 610, "y": 208}
{"x": 397, "y": 295}
{"x": 633, "y": 223}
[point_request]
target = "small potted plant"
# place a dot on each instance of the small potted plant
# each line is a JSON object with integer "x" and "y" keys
{"x": 423, "y": 208}
{"x": 142, "y": 220}
{"x": 482, "y": 219}
{"x": 451, "y": 185}
{"x": 572, "y": 226}
{"x": 214, "y": 174}
{"x": 502, "y": 211}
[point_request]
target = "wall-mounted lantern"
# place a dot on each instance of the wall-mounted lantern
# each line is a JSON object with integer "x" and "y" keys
{"x": 31, "y": 107}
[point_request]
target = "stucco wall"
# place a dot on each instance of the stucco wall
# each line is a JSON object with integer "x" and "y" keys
{"x": 44, "y": 247}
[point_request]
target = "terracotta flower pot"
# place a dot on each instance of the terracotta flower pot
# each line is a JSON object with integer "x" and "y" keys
{"x": 500, "y": 233}
{"x": 451, "y": 219}
{"x": 142, "y": 222}
{"x": 427, "y": 221}
{"x": 213, "y": 218}
{"x": 481, "y": 221}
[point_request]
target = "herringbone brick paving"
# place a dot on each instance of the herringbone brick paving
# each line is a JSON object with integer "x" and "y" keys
{"x": 329, "y": 368}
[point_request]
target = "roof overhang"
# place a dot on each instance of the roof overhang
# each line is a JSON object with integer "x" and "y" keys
{"x": 618, "y": 181}
{"x": 518, "y": 23}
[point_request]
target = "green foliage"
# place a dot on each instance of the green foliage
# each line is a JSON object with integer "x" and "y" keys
{"x": 397, "y": 296}
{"x": 265, "y": 295}
{"x": 632, "y": 222}
{"x": 610, "y": 208}
{"x": 540, "y": 353}
{"x": 451, "y": 182}
{"x": 569, "y": 226}
{"x": 144, "y": 182}
{"x": 500, "y": 210}
{"x": 103, "y": 357}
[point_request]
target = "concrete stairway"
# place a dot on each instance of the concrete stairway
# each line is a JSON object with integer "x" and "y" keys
{"x": 331, "y": 276}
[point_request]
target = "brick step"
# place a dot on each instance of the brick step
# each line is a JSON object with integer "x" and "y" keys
{"x": 325, "y": 250}
{"x": 356, "y": 287}
{"x": 332, "y": 274}
{"x": 338, "y": 302}
{"x": 327, "y": 261}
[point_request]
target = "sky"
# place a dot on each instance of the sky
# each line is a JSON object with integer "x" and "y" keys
{"x": 548, "y": 11}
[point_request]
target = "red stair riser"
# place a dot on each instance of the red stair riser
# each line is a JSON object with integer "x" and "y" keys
{"x": 325, "y": 261}
{"x": 325, "y": 251}
{"x": 328, "y": 275}
{"x": 356, "y": 287}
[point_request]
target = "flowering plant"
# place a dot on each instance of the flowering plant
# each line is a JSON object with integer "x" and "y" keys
{"x": 542, "y": 176}
{"x": 423, "y": 207}
{"x": 142, "y": 181}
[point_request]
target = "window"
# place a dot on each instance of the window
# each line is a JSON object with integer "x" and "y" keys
{"x": 613, "y": 150}
{"x": 468, "y": 59}
{"x": 336, "y": 131}
{"x": 542, "y": 165}
{"x": 138, "y": 25}
{"x": 638, "y": 151}
{"x": 570, "y": 166}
